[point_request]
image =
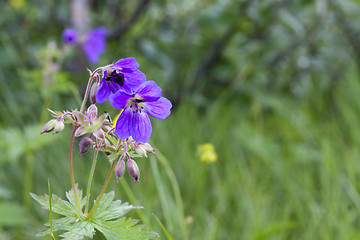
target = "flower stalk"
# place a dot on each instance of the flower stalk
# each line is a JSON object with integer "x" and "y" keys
{"x": 102, "y": 190}
{"x": 92, "y": 74}
{"x": 93, "y": 165}
{"x": 72, "y": 169}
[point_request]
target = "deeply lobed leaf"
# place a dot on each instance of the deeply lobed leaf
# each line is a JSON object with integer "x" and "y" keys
{"x": 124, "y": 228}
{"x": 107, "y": 218}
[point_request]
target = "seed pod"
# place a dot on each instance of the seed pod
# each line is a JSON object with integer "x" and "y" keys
{"x": 133, "y": 170}
{"x": 85, "y": 144}
{"x": 119, "y": 169}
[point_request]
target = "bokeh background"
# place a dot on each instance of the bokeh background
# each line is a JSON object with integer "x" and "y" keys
{"x": 273, "y": 85}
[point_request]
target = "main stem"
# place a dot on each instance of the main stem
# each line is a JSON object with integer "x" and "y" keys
{"x": 102, "y": 190}
{"x": 90, "y": 180}
{"x": 72, "y": 169}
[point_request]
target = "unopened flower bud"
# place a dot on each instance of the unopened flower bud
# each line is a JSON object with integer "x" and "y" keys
{"x": 85, "y": 144}
{"x": 93, "y": 92}
{"x": 140, "y": 150}
{"x": 92, "y": 112}
{"x": 119, "y": 169}
{"x": 54, "y": 125}
{"x": 49, "y": 126}
{"x": 59, "y": 126}
{"x": 133, "y": 170}
{"x": 143, "y": 148}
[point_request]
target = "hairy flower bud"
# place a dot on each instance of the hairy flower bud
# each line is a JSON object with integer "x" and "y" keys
{"x": 133, "y": 170}
{"x": 119, "y": 169}
{"x": 85, "y": 144}
{"x": 140, "y": 150}
{"x": 92, "y": 112}
{"x": 54, "y": 125}
{"x": 93, "y": 91}
{"x": 143, "y": 148}
{"x": 49, "y": 126}
{"x": 59, "y": 126}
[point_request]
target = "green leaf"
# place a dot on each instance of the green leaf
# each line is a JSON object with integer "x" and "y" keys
{"x": 103, "y": 204}
{"x": 58, "y": 224}
{"x": 71, "y": 197}
{"x": 124, "y": 228}
{"x": 58, "y": 205}
{"x": 109, "y": 210}
{"x": 78, "y": 231}
{"x": 107, "y": 218}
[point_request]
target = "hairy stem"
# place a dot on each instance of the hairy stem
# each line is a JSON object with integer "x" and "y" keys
{"x": 90, "y": 180}
{"x": 72, "y": 169}
{"x": 102, "y": 190}
{"x": 88, "y": 88}
{"x": 86, "y": 94}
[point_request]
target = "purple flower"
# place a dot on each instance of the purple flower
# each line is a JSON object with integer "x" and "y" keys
{"x": 95, "y": 44}
{"x": 123, "y": 74}
{"x": 70, "y": 36}
{"x": 134, "y": 120}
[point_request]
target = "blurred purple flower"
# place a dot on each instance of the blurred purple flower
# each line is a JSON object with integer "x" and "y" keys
{"x": 134, "y": 120}
{"x": 123, "y": 74}
{"x": 95, "y": 44}
{"x": 70, "y": 36}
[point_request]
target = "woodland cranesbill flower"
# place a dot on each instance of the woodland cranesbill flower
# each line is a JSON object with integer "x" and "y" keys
{"x": 123, "y": 74}
{"x": 70, "y": 36}
{"x": 95, "y": 44}
{"x": 134, "y": 120}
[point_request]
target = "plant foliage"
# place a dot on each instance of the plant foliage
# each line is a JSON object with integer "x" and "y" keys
{"x": 108, "y": 218}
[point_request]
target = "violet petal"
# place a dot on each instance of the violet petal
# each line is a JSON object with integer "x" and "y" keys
{"x": 103, "y": 92}
{"x": 119, "y": 99}
{"x": 140, "y": 127}
{"x": 159, "y": 109}
{"x": 127, "y": 64}
{"x": 149, "y": 90}
{"x": 134, "y": 79}
{"x": 122, "y": 124}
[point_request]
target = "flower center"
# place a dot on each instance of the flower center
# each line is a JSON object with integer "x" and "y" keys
{"x": 135, "y": 104}
{"x": 115, "y": 76}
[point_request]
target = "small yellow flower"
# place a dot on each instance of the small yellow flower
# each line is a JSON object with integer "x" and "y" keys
{"x": 17, "y": 3}
{"x": 207, "y": 152}
{"x": 189, "y": 219}
{"x": 116, "y": 118}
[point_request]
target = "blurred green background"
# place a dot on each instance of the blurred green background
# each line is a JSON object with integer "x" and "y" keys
{"x": 273, "y": 85}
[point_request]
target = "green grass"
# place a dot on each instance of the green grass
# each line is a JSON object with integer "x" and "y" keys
{"x": 286, "y": 169}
